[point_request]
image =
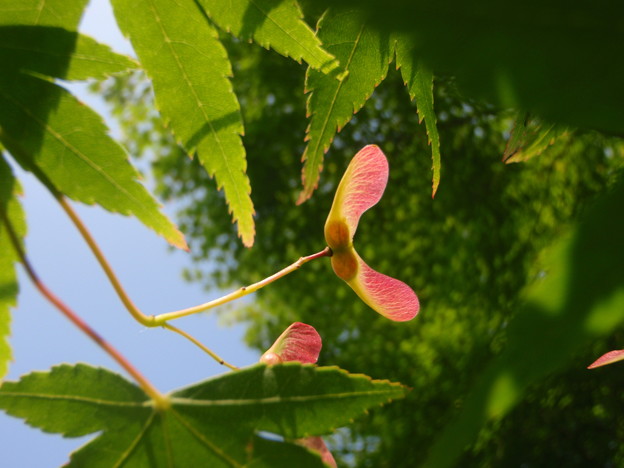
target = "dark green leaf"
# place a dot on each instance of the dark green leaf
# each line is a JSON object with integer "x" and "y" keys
{"x": 213, "y": 423}
{"x": 550, "y": 57}
{"x": 9, "y": 207}
{"x": 57, "y": 53}
{"x": 190, "y": 71}
{"x": 529, "y": 138}
{"x": 275, "y": 24}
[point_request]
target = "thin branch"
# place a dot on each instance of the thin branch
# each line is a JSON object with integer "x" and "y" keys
{"x": 108, "y": 270}
{"x": 160, "y": 400}
{"x": 200, "y": 345}
{"x": 245, "y": 290}
{"x": 161, "y": 319}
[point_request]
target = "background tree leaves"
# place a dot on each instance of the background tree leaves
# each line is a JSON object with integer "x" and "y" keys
{"x": 580, "y": 299}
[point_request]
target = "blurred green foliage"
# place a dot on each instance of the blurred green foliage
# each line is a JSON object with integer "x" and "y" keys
{"x": 469, "y": 253}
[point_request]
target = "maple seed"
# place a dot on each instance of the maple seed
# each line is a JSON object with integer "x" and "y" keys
{"x": 299, "y": 342}
{"x": 361, "y": 187}
{"x": 608, "y": 358}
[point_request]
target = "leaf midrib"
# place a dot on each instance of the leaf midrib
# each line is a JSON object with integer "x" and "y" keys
{"x": 76, "y": 399}
{"x": 181, "y": 401}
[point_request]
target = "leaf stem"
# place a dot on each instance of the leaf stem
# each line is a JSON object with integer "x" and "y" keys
{"x": 160, "y": 400}
{"x": 86, "y": 235}
{"x": 161, "y": 319}
{"x": 200, "y": 345}
{"x": 245, "y": 290}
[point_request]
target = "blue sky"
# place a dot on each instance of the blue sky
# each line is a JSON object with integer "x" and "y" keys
{"x": 151, "y": 273}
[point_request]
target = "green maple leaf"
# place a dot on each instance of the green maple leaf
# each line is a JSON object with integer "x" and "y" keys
{"x": 530, "y": 137}
{"x": 275, "y": 24}
{"x": 63, "y": 142}
{"x": 214, "y": 423}
{"x": 60, "y": 13}
{"x": 9, "y": 207}
{"x": 419, "y": 81}
{"x": 190, "y": 71}
{"x": 58, "y": 53}
{"x": 364, "y": 55}
{"x": 67, "y": 146}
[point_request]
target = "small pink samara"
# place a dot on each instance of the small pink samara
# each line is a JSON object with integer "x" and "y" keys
{"x": 300, "y": 342}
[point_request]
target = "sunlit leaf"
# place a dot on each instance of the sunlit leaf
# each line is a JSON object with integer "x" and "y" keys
{"x": 419, "y": 81}
{"x": 275, "y": 24}
{"x": 61, "y": 13}
{"x": 190, "y": 72}
{"x": 9, "y": 207}
{"x": 213, "y": 423}
{"x": 67, "y": 146}
{"x": 581, "y": 298}
{"x": 364, "y": 55}
{"x": 58, "y": 53}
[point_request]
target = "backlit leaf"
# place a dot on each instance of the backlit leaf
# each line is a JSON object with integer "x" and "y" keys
{"x": 275, "y": 24}
{"x": 419, "y": 81}
{"x": 214, "y": 423}
{"x": 364, "y": 55}
{"x": 58, "y": 53}
{"x": 60, "y": 13}
{"x": 190, "y": 72}
{"x": 9, "y": 207}
{"x": 67, "y": 146}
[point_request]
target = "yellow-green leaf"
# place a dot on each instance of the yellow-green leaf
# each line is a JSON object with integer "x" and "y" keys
{"x": 275, "y": 24}
{"x": 67, "y": 146}
{"x": 190, "y": 72}
{"x": 11, "y": 209}
{"x": 419, "y": 81}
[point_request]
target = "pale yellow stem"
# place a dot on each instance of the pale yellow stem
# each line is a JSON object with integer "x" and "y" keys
{"x": 213, "y": 355}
